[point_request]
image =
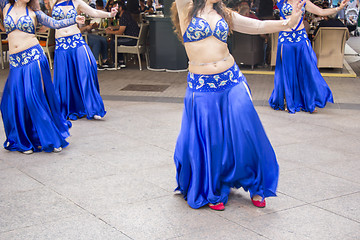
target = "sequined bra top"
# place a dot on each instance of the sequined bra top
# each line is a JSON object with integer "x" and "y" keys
{"x": 199, "y": 29}
{"x": 24, "y": 23}
{"x": 286, "y": 10}
{"x": 58, "y": 13}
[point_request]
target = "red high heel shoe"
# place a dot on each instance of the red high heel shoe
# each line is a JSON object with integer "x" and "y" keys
{"x": 259, "y": 204}
{"x": 217, "y": 207}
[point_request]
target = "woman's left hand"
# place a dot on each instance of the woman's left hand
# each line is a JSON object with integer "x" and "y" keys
{"x": 80, "y": 19}
{"x": 114, "y": 11}
{"x": 343, "y": 4}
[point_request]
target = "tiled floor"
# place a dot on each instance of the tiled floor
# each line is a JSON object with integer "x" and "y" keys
{"x": 116, "y": 178}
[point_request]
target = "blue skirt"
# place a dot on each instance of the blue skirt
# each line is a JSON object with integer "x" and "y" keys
{"x": 222, "y": 143}
{"x": 29, "y": 106}
{"x": 297, "y": 78}
{"x": 76, "y": 80}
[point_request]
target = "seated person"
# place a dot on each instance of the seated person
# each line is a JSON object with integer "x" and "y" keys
{"x": 244, "y": 10}
{"x": 98, "y": 45}
{"x": 149, "y": 7}
{"x": 142, "y": 6}
{"x": 127, "y": 26}
{"x": 109, "y": 5}
{"x": 329, "y": 21}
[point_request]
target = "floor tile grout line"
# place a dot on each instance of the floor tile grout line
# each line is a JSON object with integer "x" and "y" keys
{"x": 340, "y": 196}
{"x": 73, "y": 202}
{"x": 247, "y": 228}
{"x": 337, "y": 214}
{"x": 87, "y": 211}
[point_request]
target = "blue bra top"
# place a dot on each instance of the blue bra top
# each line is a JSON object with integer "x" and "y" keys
{"x": 58, "y": 13}
{"x": 199, "y": 29}
{"x": 286, "y": 10}
{"x": 24, "y": 23}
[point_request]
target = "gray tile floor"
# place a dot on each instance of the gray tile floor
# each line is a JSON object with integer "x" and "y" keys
{"x": 116, "y": 178}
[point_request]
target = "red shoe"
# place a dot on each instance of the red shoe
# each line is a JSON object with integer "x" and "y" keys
{"x": 259, "y": 204}
{"x": 217, "y": 207}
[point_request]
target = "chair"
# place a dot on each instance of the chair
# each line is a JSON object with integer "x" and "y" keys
{"x": 4, "y": 48}
{"x": 329, "y": 46}
{"x": 139, "y": 48}
{"x": 85, "y": 37}
{"x": 274, "y": 43}
{"x": 247, "y": 49}
{"x": 47, "y": 41}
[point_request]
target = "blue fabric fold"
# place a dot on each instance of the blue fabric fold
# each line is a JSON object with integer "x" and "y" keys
{"x": 297, "y": 78}
{"x": 30, "y": 109}
{"x": 76, "y": 80}
{"x": 222, "y": 143}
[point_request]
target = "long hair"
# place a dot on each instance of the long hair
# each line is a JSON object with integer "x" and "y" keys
{"x": 33, "y": 4}
{"x": 196, "y": 7}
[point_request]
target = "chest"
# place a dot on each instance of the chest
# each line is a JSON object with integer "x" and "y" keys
{"x": 64, "y": 10}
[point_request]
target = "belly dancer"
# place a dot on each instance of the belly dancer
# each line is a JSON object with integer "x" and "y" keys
{"x": 297, "y": 78}
{"x": 222, "y": 143}
{"x": 29, "y": 106}
{"x": 75, "y": 68}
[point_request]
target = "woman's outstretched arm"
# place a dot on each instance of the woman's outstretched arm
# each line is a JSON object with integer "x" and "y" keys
{"x": 47, "y": 21}
{"x": 253, "y": 26}
{"x": 83, "y": 7}
{"x": 324, "y": 12}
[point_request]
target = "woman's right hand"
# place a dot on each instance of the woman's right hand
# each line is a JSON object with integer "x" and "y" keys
{"x": 296, "y": 13}
{"x": 114, "y": 11}
{"x": 80, "y": 19}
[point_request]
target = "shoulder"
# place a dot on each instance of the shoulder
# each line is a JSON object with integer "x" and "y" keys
{"x": 6, "y": 8}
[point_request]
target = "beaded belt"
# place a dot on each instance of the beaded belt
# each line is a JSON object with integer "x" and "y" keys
{"x": 25, "y": 57}
{"x": 72, "y": 41}
{"x": 215, "y": 82}
{"x": 293, "y": 37}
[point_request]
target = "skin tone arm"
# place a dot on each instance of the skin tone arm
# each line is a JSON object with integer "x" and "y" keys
{"x": 83, "y": 7}
{"x": 253, "y": 26}
{"x": 120, "y": 31}
{"x": 310, "y": 7}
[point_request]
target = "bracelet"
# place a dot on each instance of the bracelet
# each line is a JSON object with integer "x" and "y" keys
{"x": 337, "y": 9}
{"x": 285, "y": 22}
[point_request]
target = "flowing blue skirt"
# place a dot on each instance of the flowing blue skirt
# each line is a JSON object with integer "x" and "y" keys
{"x": 29, "y": 106}
{"x": 297, "y": 78}
{"x": 222, "y": 143}
{"x": 76, "y": 80}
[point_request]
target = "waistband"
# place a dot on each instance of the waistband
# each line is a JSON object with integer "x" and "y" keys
{"x": 73, "y": 41}
{"x": 25, "y": 57}
{"x": 293, "y": 37}
{"x": 215, "y": 82}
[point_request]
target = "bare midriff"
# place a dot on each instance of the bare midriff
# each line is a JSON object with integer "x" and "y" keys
{"x": 208, "y": 56}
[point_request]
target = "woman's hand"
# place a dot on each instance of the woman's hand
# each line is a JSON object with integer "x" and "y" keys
{"x": 343, "y": 4}
{"x": 114, "y": 11}
{"x": 80, "y": 19}
{"x": 296, "y": 13}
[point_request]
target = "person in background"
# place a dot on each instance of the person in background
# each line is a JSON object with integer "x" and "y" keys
{"x": 127, "y": 26}
{"x": 132, "y": 6}
{"x": 150, "y": 9}
{"x": 142, "y": 6}
{"x": 109, "y": 5}
{"x": 341, "y": 12}
{"x": 329, "y": 21}
{"x": 97, "y": 43}
{"x": 244, "y": 10}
